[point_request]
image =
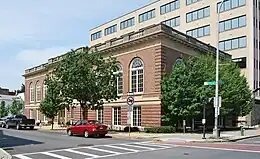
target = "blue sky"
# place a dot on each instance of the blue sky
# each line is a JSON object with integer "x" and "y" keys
{"x": 33, "y": 31}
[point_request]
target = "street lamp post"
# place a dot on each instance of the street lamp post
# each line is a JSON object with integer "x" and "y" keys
{"x": 216, "y": 131}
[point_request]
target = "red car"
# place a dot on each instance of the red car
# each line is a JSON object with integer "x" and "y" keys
{"x": 87, "y": 128}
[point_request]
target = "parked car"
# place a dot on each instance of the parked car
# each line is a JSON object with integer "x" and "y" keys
{"x": 3, "y": 121}
{"x": 20, "y": 121}
{"x": 87, "y": 128}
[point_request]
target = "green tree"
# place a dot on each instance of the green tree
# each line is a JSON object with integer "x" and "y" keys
{"x": 88, "y": 78}
{"x": 53, "y": 102}
{"x": 16, "y": 107}
{"x": 3, "y": 109}
{"x": 22, "y": 89}
{"x": 183, "y": 89}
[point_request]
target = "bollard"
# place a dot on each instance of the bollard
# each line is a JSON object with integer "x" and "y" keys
{"x": 242, "y": 130}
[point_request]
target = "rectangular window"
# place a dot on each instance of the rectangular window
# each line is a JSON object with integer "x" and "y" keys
{"x": 127, "y": 23}
{"x": 188, "y": 2}
{"x": 230, "y": 4}
{"x": 199, "y": 32}
{"x": 147, "y": 16}
{"x": 198, "y": 14}
{"x": 169, "y": 7}
{"x": 235, "y": 43}
{"x": 137, "y": 116}
{"x": 117, "y": 115}
{"x": 111, "y": 29}
{"x": 96, "y": 35}
{"x": 172, "y": 22}
{"x": 233, "y": 23}
{"x": 100, "y": 115}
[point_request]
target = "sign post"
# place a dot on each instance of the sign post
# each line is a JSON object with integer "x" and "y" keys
{"x": 130, "y": 102}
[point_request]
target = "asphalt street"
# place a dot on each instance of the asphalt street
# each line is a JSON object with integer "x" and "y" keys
{"x": 252, "y": 141}
{"x": 26, "y": 144}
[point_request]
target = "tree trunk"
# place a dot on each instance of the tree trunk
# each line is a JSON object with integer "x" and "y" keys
{"x": 52, "y": 122}
{"x": 84, "y": 111}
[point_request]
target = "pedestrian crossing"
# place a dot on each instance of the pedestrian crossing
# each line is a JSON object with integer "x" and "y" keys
{"x": 93, "y": 152}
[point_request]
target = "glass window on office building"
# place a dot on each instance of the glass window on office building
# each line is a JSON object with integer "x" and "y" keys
{"x": 147, "y": 16}
{"x": 172, "y": 22}
{"x": 169, "y": 7}
{"x": 231, "y": 4}
{"x": 235, "y": 43}
{"x": 233, "y": 23}
{"x": 198, "y": 14}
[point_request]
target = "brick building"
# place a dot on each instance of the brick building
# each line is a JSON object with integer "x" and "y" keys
{"x": 143, "y": 57}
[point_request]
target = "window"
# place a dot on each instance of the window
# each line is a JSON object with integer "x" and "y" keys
{"x": 44, "y": 90}
{"x": 96, "y": 35}
{"x": 147, "y": 16}
{"x": 234, "y": 43}
{"x": 170, "y": 6}
{"x": 127, "y": 23}
{"x": 172, "y": 22}
{"x": 230, "y": 4}
{"x": 111, "y": 30}
{"x": 188, "y": 2}
{"x": 38, "y": 91}
{"x": 119, "y": 81}
{"x": 198, "y": 14}
{"x": 137, "y": 76}
{"x": 137, "y": 116}
{"x": 117, "y": 115}
{"x": 32, "y": 98}
{"x": 100, "y": 115}
{"x": 199, "y": 32}
{"x": 233, "y": 23}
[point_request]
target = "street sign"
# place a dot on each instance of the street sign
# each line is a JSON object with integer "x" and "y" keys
{"x": 130, "y": 101}
{"x": 203, "y": 121}
{"x": 213, "y": 83}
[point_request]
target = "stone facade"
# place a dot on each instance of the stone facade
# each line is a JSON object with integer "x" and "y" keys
{"x": 156, "y": 48}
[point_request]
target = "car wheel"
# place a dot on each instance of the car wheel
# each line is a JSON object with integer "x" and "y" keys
{"x": 69, "y": 133}
{"x": 86, "y": 134}
{"x": 18, "y": 127}
{"x": 31, "y": 127}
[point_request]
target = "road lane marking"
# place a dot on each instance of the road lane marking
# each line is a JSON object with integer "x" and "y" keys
{"x": 82, "y": 153}
{"x": 108, "y": 151}
{"x": 142, "y": 147}
{"x": 154, "y": 145}
{"x": 122, "y": 148}
{"x": 22, "y": 157}
{"x": 54, "y": 155}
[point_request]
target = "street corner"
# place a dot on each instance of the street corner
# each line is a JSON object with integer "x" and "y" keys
{"x": 4, "y": 154}
{"x": 243, "y": 138}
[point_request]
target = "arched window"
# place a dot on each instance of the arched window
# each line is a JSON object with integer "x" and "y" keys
{"x": 119, "y": 81}
{"x": 137, "y": 75}
{"x": 38, "y": 91}
{"x": 44, "y": 90}
{"x": 32, "y": 98}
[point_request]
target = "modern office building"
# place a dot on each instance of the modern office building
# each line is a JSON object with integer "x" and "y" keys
{"x": 238, "y": 29}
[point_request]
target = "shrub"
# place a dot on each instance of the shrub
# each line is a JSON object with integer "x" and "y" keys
{"x": 68, "y": 123}
{"x": 161, "y": 129}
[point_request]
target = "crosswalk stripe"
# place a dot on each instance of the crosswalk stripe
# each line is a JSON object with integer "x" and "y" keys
{"x": 149, "y": 148}
{"x": 55, "y": 155}
{"x": 97, "y": 149}
{"x": 144, "y": 144}
{"x": 22, "y": 157}
{"x": 122, "y": 148}
{"x": 82, "y": 153}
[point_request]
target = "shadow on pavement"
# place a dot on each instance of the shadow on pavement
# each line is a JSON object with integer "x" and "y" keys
{"x": 10, "y": 141}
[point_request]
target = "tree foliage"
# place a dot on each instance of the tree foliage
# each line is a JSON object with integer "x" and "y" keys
{"x": 53, "y": 102}
{"x": 183, "y": 89}
{"x": 16, "y": 107}
{"x": 22, "y": 89}
{"x": 88, "y": 78}
{"x": 3, "y": 109}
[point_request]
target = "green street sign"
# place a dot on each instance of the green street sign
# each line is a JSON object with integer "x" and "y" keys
{"x": 213, "y": 83}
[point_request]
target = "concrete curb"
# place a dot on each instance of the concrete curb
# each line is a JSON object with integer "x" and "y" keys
{"x": 243, "y": 138}
{"x": 4, "y": 154}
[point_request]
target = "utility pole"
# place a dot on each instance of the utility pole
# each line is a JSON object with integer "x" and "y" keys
{"x": 216, "y": 130}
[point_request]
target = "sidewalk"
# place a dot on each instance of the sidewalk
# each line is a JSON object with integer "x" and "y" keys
{"x": 226, "y": 136}
{"x": 56, "y": 129}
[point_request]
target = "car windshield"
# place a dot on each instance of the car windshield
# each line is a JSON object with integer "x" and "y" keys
{"x": 94, "y": 122}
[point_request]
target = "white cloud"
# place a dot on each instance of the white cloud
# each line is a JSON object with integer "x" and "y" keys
{"x": 36, "y": 57}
